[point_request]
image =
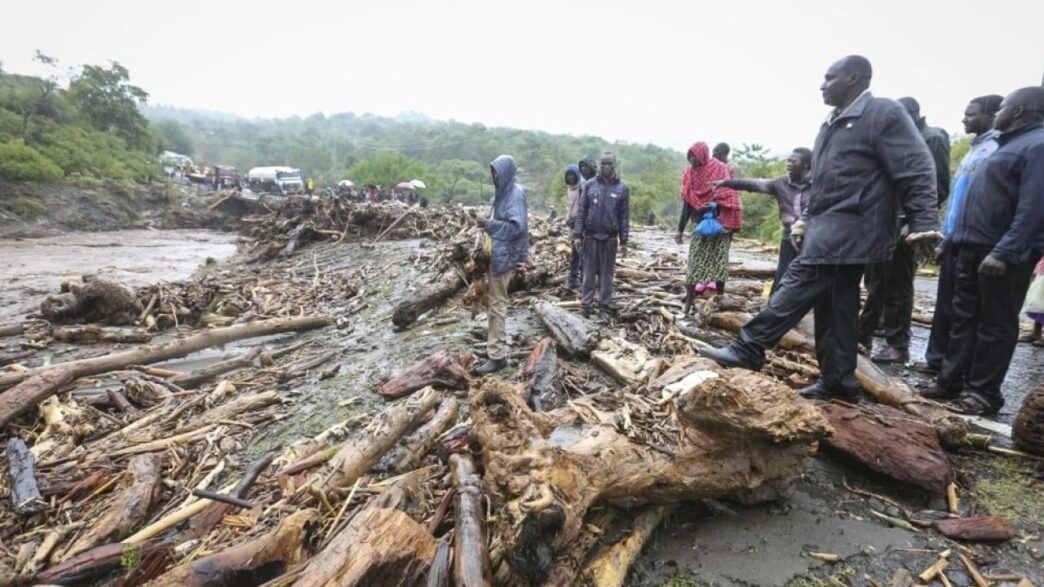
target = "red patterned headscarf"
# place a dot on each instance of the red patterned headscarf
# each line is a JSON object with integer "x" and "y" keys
{"x": 696, "y": 188}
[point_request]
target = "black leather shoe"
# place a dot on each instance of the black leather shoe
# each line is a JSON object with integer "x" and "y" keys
{"x": 891, "y": 355}
{"x": 939, "y": 392}
{"x": 480, "y": 353}
{"x": 491, "y": 366}
{"x": 727, "y": 356}
{"x": 585, "y": 312}
{"x": 819, "y": 391}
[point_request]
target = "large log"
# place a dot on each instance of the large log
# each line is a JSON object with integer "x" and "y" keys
{"x": 407, "y": 311}
{"x": 128, "y": 511}
{"x": 626, "y": 362}
{"x": 471, "y": 566}
{"x": 25, "y": 494}
{"x": 409, "y": 453}
{"x": 574, "y": 335}
{"x": 378, "y": 547}
{"x": 442, "y": 369}
{"x": 88, "y": 565}
{"x": 890, "y": 442}
{"x": 355, "y": 458}
{"x": 541, "y": 381}
{"x": 35, "y": 385}
{"x": 93, "y": 334}
{"x": 890, "y": 391}
{"x": 250, "y": 563}
{"x": 609, "y": 567}
{"x": 736, "y": 432}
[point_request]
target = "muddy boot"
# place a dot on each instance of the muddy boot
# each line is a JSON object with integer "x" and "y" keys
{"x": 687, "y": 309}
{"x": 891, "y": 355}
{"x": 491, "y": 366}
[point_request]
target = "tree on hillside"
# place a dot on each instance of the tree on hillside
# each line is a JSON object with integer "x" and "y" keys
{"x": 109, "y": 102}
{"x": 452, "y": 172}
{"x": 35, "y": 95}
{"x": 172, "y": 137}
{"x": 386, "y": 169}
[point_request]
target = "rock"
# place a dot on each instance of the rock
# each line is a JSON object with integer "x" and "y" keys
{"x": 980, "y": 529}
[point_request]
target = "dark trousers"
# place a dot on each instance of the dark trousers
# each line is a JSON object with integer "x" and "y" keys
{"x": 787, "y": 254}
{"x": 942, "y": 318}
{"x": 985, "y": 325}
{"x": 599, "y": 269}
{"x": 889, "y": 297}
{"x": 576, "y": 261}
{"x": 832, "y": 291}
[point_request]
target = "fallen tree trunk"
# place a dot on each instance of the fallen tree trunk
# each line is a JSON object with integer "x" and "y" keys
{"x": 626, "y": 362}
{"x": 33, "y": 386}
{"x": 569, "y": 563}
{"x": 609, "y": 567}
{"x": 442, "y": 369}
{"x": 93, "y": 334}
{"x": 407, "y": 311}
{"x": 471, "y": 566}
{"x": 408, "y": 455}
{"x": 736, "y": 432}
{"x": 25, "y": 494}
{"x": 952, "y": 429}
{"x": 542, "y": 383}
{"x": 128, "y": 511}
{"x": 890, "y": 442}
{"x": 355, "y": 458}
{"x": 574, "y": 335}
{"x": 190, "y": 380}
{"x": 231, "y": 409}
{"x": 12, "y": 329}
{"x": 88, "y": 565}
{"x": 378, "y": 547}
{"x": 250, "y": 563}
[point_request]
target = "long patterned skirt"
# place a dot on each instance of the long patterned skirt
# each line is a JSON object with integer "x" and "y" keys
{"x": 708, "y": 259}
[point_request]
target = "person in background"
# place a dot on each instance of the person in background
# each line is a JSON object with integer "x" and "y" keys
{"x": 868, "y": 163}
{"x": 588, "y": 168}
{"x": 721, "y": 153}
{"x": 508, "y": 230}
{"x": 309, "y": 186}
{"x": 1035, "y": 307}
{"x": 978, "y": 121}
{"x": 708, "y": 265}
{"x": 552, "y": 213}
{"x": 603, "y": 219}
{"x": 998, "y": 238}
{"x": 572, "y": 181}
{"x": 791, "y": 192}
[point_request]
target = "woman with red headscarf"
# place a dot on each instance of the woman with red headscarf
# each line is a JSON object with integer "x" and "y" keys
{"x": 708, "y": 255}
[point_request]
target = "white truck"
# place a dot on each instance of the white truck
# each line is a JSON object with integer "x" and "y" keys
{"x": 278, "y": 180}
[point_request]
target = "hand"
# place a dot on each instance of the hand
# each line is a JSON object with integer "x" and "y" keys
{"x": 623, "y": 251}
{"x": 923, "y": 244}
{"x": 717, "y": 183}
{"x": 679, "y": 238}
{"x": 937, "y": 256}
{"x": 992, "y": 267}
{"x": 797, "y": 240}
{"x": 480, "y": 222}
{"x": 578, "y": 243}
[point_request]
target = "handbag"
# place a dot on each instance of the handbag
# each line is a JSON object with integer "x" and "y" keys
{"x": 709, "y": 226}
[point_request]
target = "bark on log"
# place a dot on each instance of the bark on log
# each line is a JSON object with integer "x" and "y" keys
{"x": 542, "y": 383}
{"x": 355, "y": 458}
{"x": 471, "y": 566}
{"x": 378, "y": 547}
{"x": 408, "y": 310}
{"x": 8, "y": 358}
{"x": 250, "y": 563}
{"x": 94, "y": 333}
{"x": 981, "y": 529}
{"x": 441, "y": 566}
{"x": 31, "y": 387}
{"x": 229, "y": 410}
{"x": 569, "y": 563}
{"x": 128, "y": 511}
{"x": 408, "y": 455}
{"x": 212, "y": 515}
{"x": 609, "y": 567}
{"x": 88, "y": 565}
{"x": 738, "y": 431}
{"x": 25, "y": 494}
{"x": 626, "y": 362}
{"x": 952, "y": 429}
{"x": 890, "y": 442}
{"x": 190, "y": 380}
{"x": 442, "y": 369}
{"x": 755, "y": 269}
{"x": 12, "y": 329}
{"x": 574, "y": 335}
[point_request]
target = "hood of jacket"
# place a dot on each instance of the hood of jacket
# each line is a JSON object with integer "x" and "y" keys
{"x": 700, "y": 150}
{"x": 576, "y": 170}
{"x": 505, "y": 167}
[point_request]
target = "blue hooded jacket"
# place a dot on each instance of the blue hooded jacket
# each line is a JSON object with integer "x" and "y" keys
{"x": 509, "y": 225}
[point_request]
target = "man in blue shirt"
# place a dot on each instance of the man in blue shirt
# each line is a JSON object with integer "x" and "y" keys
{"x": 978, "y": 120}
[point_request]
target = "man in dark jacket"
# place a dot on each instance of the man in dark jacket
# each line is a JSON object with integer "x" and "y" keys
{"x": 603, "y": 219}
{"x": 890, "y": 285}
{"x": 867, "y": 164}
{"x": 998, "y": 238}
{"x": 791, "y": 191}
{"x": 508, "y": 231}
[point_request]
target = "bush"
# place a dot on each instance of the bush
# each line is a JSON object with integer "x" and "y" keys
{"x": 19, "y": 162}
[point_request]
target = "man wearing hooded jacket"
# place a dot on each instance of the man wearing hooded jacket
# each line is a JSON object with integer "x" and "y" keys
{"x": 603, "y": 219}
{"x": 508, "y": 230}
{"x": 868, "y": 163}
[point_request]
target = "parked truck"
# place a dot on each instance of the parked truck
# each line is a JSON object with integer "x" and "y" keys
{"x": 275, "y": 180}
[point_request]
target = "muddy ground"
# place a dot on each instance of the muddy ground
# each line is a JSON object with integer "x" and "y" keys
{"x": 736, "y": 545}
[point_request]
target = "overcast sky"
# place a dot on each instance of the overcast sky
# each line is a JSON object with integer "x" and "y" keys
{"x": 666, "y": 72}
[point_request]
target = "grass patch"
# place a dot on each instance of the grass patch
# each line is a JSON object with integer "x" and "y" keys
{"x": 838, "y": 575}
{"x": 1005, "y": 487}
{"x": 682, "y": 581}
{"x": 26, "y": 207}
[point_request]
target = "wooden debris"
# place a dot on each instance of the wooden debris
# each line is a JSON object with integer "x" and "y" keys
{"x": 574, "y": 335}
{"x": 609, "y": 568}
{"x": 190, "y": 380}
{"x": 408, "y": 455}
{"x": 90, "y": 564}
{"x": 442, "y": 369}
{"x": 471, "y": 566}
{"x": 25, "y": 495}
{"x": 542, "y": 385}
{"x": 94, "y": 334}
{"x": 978, "y": 529}
{"x": 408, "y": 310}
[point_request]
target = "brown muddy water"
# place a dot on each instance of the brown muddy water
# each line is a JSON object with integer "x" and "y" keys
{"x": 34, "y": 267}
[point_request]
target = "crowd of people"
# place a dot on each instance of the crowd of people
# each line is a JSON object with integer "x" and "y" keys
{"x": 861, "y": 207}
